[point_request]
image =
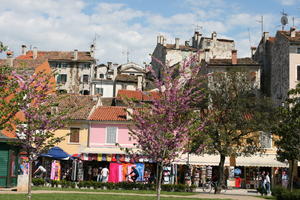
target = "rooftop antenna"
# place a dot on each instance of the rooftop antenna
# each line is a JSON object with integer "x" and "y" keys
{"x": 249, "y": 35}
{"x": 284, "y": 19}
{"x": 198, "y": 28}
{"x": 261, "y": 21}
{"x": 95, "y": 39}
{"x": 127, "y": 54}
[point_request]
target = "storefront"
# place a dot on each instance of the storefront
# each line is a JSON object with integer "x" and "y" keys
{"x": 8, "y": 162}
{"x": 119, "y": 165}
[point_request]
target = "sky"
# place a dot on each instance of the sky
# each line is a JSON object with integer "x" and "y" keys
{"x": 121, "y": 26}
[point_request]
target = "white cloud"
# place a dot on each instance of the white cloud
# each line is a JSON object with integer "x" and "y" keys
{"x": 65, "y": 25}
{"x": 288, "y": 2}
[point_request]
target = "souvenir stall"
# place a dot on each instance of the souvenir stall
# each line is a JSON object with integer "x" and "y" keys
{"x": 57, "y": 163}
{"x": 119, "y": 165}
{"x": 248, "y": 170}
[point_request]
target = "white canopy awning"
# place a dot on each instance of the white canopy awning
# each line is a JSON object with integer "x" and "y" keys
{"x": 204, "y": 159}
{"x": 104, "y": 150}
{"x": 264, "y": 160}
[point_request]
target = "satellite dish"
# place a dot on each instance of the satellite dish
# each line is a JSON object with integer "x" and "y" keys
{"x": 284, "y": 20}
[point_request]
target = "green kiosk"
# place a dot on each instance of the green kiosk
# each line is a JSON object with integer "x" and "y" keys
{"x": 9, "y": 163}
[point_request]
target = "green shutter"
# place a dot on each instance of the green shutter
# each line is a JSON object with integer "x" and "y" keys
{"x": 3, "y": 167}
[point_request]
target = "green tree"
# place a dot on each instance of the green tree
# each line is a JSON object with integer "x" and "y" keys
{"x": 234, "y": 114}
{"x": 288, "y": 130}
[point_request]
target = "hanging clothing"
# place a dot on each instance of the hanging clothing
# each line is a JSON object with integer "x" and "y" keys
{"x": 140, "y": 167}
{"x": 99, "y": 157}
{"x": 113, "y": 173}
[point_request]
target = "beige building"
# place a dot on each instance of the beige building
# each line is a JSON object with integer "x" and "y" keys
{"x": 172, "y": 54}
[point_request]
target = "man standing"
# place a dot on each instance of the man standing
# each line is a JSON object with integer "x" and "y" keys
{"x": 268, "y": 183}
{"x": 104, "y": 174}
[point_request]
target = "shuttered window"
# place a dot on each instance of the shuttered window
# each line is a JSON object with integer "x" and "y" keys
{"x": 111, "y": 135}
{"x": 74, "y": 135}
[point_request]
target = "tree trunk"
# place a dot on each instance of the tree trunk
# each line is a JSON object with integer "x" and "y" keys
{"x": 158, "y": 180}
{"x": 218, "y": 186}
{"x": 291, "y": 175}
{"x": 29, "y": 178}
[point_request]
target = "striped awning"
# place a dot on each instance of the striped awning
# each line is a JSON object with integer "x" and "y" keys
{"x": 264, "y": 160}
{"x": 204, "y": 159}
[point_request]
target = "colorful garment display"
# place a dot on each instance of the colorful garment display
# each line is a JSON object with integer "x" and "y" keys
{"x": 99, "y": 158}
{"x": 140, "y": 168}
{"x": 55, "y": 170}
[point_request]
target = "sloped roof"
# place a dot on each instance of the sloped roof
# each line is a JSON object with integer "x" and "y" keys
{"x": 80, "y": 105}
{"x": 181, "y": 47}
{"x": 57, "y": 55}
{"x": 287, "y": 34}
{"x": 109, "y": 113}
{"x": 126, "y": 78}
{"x": 137, "y": 95}
{"x": 240, "y": 61}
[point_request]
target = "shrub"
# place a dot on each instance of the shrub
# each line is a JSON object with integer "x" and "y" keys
{"x": 277, "y": 190}
{"x": 295, "y": 195}
{"x": 54, "y": 183}
{"x": 38, "y": 181}
{"x": 167, "y": 187}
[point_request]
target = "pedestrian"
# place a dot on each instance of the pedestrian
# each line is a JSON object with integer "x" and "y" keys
{"x": 134, "y": 174}
{"x": 99, "y": 176}
{"x": 284, "y": 179}
{"x": 267, "y": 183}
{"x": 104, "y": 174}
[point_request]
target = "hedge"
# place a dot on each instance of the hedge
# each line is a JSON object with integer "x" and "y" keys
{"x": 283, "y": 194}
{"x": 114, "y": 186}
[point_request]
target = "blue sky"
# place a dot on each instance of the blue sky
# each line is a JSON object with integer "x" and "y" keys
{"x": 132, "y": 25}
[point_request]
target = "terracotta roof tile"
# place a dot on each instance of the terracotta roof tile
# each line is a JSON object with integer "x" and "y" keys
{"x": 109, "y": 113}
{"x": 126, "y": 78}
{"x": 82, "y": 104}
{"x": 57, "y": 55}
{"x": 240, "y": 61}
{"x": 287, "y": 34}
{"x": 137, "y": 95}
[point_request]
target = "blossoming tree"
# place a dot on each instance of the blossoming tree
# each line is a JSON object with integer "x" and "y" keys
{"x": 161, "y": 128}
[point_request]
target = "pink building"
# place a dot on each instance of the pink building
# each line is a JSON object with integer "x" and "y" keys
{"x": 108, "y": 131}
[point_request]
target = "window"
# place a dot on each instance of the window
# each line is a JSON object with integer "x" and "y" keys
{"x": 298, "y": 50}
{"x": 265, "y": 140}
{"x": 101, "y": 75}
{"x": 85, "y": 78}
{"x": 74, "y": 135}
{"x": 298, "y": 72}
{"x": 111, "y": 135}
{"x": 124, "y": 86}
{"x": 85, "y": 92}
{"x": 99, "y": 91}
{"x": 62, "y": 78}
{"x": 62, "y": 91}
{"x": 64, "y": 65}
{"x": 86, "y": 65}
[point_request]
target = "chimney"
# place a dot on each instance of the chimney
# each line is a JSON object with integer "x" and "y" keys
{"x": 92, "y": 50}
{"x": 115, "y": 73}
{"x": 234, "y": 57}
{"x": 10, "y": 58}
{"x": 206, "y": 55}
{"x": 253, "y": 50}
{"x": 293, "y": 31}
{"x": 214, "y": 35}
{"x": 109, "y": 65}
{"x": 140, "y": 83}
{"x": 198, "y": 40}
{"x": 176, "y": 43}
{"x": 34, "y": 53}
{"x": 266, "y": 36}
{"x": 75, "y": 54}
{"x": 129, "y": 112}
{"x": 23, "y": 49}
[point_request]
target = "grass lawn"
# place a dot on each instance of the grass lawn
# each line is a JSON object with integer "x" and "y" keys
{"x": 115, "y": 191}
{"x": 82, "y": 197}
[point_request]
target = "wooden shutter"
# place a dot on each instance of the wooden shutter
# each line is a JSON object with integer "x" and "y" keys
{"x": 111, "y": 135}
{"x": 3, "y": 167}
{"x": 298, "y": 73}
{"x": 74, "y": 135}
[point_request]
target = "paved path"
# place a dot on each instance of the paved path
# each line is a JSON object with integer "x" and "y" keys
{"x": 198, "y": 195}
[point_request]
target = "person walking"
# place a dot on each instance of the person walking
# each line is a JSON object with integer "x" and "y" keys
{"x": 104, "y": 174}
{"x": 267, "y": 183}
{"x": 99, "y": 176}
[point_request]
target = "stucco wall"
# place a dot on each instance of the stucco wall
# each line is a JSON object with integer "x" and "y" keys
{"x": 72, "y": 148}
{"x": 294, "y": 62}
{"x": 98, "y": 135}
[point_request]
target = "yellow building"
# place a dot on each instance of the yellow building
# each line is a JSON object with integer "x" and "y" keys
{"x": 76, "y": 132}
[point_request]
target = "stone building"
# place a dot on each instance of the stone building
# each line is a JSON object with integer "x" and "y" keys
{"x": 280, "y": 59}
{"x": 73, "y": 69}
{"x": 172, "y": 54}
